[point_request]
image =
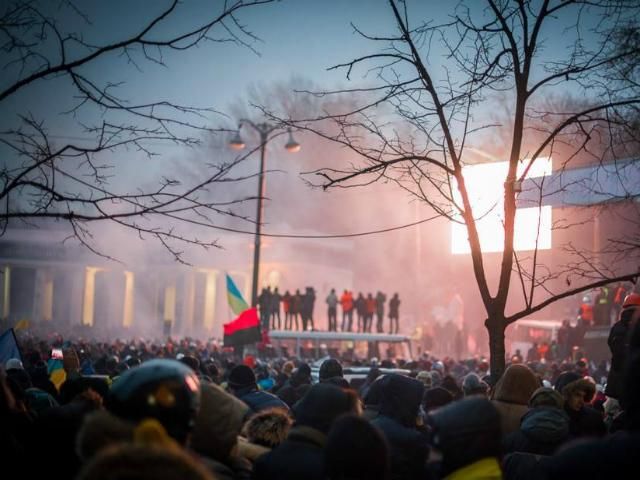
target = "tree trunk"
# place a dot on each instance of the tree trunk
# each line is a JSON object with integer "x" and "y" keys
{"x": 496, "y": 327}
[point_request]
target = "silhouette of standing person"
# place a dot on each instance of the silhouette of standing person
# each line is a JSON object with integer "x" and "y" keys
{"x": 332, "y": 310}
{"x": 394, "y": 306}
{"x": 380, "y": 299}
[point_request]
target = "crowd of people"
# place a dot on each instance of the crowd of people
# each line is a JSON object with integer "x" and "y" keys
{"x": 185, "y": 409}
{"x": 301, "y": 306}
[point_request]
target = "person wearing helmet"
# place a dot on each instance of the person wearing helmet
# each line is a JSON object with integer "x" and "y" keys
{"x": 164, "y": 389}
{"x": 619, "y": 344}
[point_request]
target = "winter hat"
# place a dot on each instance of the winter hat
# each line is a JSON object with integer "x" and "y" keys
{"x": 546, "y": 397}
{"x": 567, "y": 384}
{"x": 471, "y": 385}
{"x": 330, "y": 368}
{"x": 304, "y": 369}
{"x": 435, "y": 398}
{"x": 564, "y": 379}
{"x": 241, "y": 376}
{"x": 322, "y": 404}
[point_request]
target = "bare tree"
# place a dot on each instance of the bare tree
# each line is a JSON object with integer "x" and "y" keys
{"x": 55, "y": 47}
{"x": 435, "y": 85}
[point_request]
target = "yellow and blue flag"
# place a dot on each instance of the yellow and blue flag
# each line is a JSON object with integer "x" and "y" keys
{"x": 236, "y": 302}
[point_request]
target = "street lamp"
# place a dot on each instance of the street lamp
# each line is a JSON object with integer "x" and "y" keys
{"x": 264, "y": 129}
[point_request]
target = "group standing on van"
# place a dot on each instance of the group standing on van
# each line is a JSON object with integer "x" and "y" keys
{"x": 300, "y": 306}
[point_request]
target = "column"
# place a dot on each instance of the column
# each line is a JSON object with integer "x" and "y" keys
{"x": 75, "y": 312}
{"x": 208, "y": 314}
{"x": 43, "y": 308}
{"x": 128, "y": 303}
{"x": 169, "y": 303}
{"x": 188, "y": 303}
{"x": 5, "y": 292}
{"x": 89, "y": 295}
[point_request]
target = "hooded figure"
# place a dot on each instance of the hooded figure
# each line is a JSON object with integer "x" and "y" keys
{"x": 400, "y": 399}
{"x": 512, "y": 393}
{"x": 584, "y": 420}
{"x": 356, "y": 450}
{"x": 215, "y": 432}
{"x": 543, "y": 428}
{"x": 467, "y": 434}
{"x": 301, "y": 455}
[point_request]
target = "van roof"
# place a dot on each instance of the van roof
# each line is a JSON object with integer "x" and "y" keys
{"x": 543, "y": 324}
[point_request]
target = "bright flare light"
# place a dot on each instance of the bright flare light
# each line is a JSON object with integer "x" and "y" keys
{"x": 485, "y": 184}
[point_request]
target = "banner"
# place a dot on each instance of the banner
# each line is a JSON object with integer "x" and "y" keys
{"x": 243, "y": 330}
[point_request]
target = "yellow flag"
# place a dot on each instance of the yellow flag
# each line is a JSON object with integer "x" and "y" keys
{"x": 22, "y": 324}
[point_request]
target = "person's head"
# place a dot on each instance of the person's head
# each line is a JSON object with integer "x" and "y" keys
{"x": 400, "y": 398}
{"x": 192, "y": 362}
{"x": 356, "y": 450}
{"x": 127, "y": 461}
{"x": 268, "y": 428}
{"x": 576, "y": 390}
{"x": 546, "y": 397}
{"x": 322, "y": 404}
{"x": 241, "y": 377}
{"x": 330, "y": 368}
{"x": 517, "y": 384}
{"x": 166, "y": 390}
{"x": 218, "y": 422}
{"x": 288, "y": 368}
{"x": 473, "y": 385}
{"x": 13, "y": 364}
{"x": 465, "y": 431}
{"x": 435, "y": 398}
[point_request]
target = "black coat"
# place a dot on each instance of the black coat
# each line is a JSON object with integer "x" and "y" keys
{"x": 400, "y": 401}
{"x": 299, "y": 457}
{"x": 613, "y": 457}
{"x": 588, "y": 422}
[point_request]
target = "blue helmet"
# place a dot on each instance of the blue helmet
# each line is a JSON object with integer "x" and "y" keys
{"x": 166, "y": 390}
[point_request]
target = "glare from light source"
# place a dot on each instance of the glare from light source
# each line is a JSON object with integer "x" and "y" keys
{"x": 292, "y": 146}
{"x": 236, "y": 142}
{"x": 484, "y": 183}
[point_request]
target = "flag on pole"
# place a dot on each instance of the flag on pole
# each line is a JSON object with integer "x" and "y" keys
{"x": 9, "y": 346}
{"x": 234, "y": 297}
{"x": 243, "y": 330}
{"x": 23, "y": 324}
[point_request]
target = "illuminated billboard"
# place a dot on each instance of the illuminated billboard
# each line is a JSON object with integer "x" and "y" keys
{"x": 485, "y": 184}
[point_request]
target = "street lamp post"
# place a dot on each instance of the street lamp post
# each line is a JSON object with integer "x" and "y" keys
{"x": 265, "y": 130}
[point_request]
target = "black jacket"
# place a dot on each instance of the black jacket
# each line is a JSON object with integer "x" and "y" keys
{"x": 400, "y": 401}
{"x": 299, "y": 457}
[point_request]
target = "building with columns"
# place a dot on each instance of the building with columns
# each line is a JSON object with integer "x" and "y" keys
{"x": 48, "y": 280}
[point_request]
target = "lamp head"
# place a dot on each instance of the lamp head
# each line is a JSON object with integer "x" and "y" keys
{"x": 292, "y": 146}
{"x": 236, "y": 142}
